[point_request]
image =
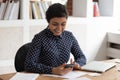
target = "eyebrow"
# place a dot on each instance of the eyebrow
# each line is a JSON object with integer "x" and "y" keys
{"x": 57, "y": 22}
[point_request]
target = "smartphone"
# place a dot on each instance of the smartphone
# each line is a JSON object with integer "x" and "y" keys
{"x": 69, "y": 66}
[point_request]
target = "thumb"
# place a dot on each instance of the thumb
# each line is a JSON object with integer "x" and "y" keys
{"x": 71, "y": 61}
{"x": 63, "y": 65}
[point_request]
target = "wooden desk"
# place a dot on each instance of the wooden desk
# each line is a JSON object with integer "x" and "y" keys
{"x": 112, "y": 74}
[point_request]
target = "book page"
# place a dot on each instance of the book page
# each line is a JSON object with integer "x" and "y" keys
{"x": 82, "y": 78}
{"x": 25, "y": 76}
{"x": 72, "y": 74}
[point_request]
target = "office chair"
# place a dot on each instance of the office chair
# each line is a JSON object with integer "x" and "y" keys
{"x": 20, "y": 57}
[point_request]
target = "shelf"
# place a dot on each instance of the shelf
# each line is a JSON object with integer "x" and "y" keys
{"x": 22, "y": 31}
{"x": 11, "y": 23}
{"x": 34, "y": 22}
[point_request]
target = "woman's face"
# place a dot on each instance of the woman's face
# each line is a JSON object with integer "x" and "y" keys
{"x": 57, "y": 25}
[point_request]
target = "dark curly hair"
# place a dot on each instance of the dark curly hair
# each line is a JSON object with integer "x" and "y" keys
{"x": 56, "y": 10}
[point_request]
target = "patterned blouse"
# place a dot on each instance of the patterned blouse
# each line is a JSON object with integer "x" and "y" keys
{"x": 48, "y": 51}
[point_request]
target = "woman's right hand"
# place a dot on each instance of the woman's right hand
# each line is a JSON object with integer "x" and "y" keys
{"x": 61, "y": 70}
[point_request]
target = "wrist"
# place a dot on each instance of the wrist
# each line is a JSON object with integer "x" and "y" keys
{"x": 53, "y": 70}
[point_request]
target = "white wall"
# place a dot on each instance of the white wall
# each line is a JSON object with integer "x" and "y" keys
{"x": 91, "y": 35}
{"x": 97, "y": 38}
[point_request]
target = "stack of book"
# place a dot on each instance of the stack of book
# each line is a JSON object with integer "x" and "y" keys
{"x": 9, "y": 9}
{"x": 38, "y": 9}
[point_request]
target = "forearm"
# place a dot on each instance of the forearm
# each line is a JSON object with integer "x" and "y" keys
{"x": 81, "y": 61}
{"x": 79, "y": 56}
{"x": 37, "y": 68}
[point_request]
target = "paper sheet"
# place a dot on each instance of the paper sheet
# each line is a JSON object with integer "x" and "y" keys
{"x": 25, "y": 76}
{"x": 72, "y": 74}
{"x": 94, "y": 74}
{"x": 82, "y": 78}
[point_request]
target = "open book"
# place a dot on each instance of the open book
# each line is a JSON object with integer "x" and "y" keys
{"x": 98, "y": 66}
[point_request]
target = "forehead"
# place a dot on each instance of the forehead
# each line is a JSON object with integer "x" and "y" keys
{"x": 58, "y": 19}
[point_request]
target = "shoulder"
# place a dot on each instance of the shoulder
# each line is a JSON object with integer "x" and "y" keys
{"x": 41, "y": 34}
{"x": 68, "y": 33}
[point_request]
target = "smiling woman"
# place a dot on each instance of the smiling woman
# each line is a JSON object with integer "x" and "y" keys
{"x": 50, "y": 49}
{"x": 57, "y": 19}
{"x": 57, "y": 25}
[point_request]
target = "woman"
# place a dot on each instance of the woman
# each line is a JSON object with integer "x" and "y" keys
{"x": 51, "y": 48}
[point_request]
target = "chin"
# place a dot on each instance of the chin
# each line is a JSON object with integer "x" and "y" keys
{"x": 57, "y": 34}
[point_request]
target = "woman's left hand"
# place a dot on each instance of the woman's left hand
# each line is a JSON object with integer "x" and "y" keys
{"x": 76, "y": 65}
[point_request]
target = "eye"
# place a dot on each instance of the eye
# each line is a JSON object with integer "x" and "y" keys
{"x": 63, "y": 24}
{"x": 55, "y": 24}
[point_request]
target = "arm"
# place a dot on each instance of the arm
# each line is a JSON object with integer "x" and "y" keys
{"x": 32, "y": 63}
{"x": 77, "y": 53}
{"x": 32, "y": 59}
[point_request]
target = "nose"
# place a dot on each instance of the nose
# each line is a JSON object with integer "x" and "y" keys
{"x": 59, "y": 27}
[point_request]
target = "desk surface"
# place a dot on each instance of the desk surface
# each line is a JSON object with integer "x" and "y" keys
{"x": 112, "y": 74}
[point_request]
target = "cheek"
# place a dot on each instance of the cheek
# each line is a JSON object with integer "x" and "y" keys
{"x": 63, "y": 28}
{"x": 59, "y": 28}
{"x": 51, "y": 27}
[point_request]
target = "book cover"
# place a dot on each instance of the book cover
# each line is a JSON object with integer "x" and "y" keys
{"x": 41, "y": 10}
{"x": 8, "y": 9}
{"x": 69, "y": 7}
{"x": 30, "y": 11}
{"x": 35, "y": 9}
{"x": 14, "y": 11}
{"x": 3, "y": 9}
{"x": 96, "y": 12}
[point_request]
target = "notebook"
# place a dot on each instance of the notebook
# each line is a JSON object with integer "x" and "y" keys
{"x": 98, "y": 66}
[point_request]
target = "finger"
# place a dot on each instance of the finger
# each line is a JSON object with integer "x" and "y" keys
{"x": 77, "y": 66}
{"x": 71, "y": 61}
{"x": 65, "y": 71}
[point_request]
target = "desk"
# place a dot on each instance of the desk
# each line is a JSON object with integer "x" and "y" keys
{"x": 112, "y": 74}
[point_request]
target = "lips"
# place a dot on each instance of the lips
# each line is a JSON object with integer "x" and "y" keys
{"x": 58, "y": 31}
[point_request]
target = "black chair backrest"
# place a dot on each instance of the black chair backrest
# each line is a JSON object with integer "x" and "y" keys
{"x": 20, "y": 57}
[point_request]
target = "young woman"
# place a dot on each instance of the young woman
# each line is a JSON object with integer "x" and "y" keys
{"x": 50, "y": 49}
